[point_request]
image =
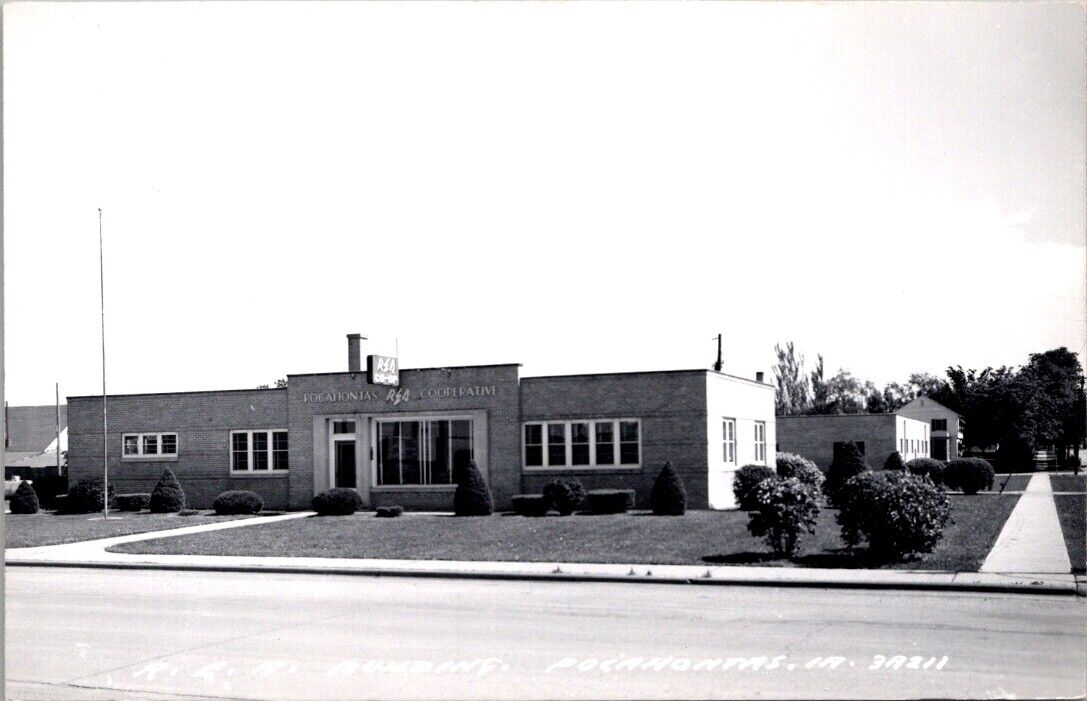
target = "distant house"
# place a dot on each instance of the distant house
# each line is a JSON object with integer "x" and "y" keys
{"x": 818, "y": 437}
{"x": 945, "y": 425}
{"x": 31, "y": 439}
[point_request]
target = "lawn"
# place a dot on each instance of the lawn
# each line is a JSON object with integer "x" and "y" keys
{"x": 1071, "y": 510}
{"x": 700, "y": 537}
{"x": 29, "y": 530}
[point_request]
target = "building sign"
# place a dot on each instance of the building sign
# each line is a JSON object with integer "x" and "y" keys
{"x": 382, "y": 370}
{"x": 398, "y": 395}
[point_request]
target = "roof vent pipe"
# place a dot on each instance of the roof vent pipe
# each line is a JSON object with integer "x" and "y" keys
{"x": 759, "y": 376}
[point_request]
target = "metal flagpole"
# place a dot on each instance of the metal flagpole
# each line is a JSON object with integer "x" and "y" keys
{"x": 105, "y": 435}
{"x": 58, "y": 429}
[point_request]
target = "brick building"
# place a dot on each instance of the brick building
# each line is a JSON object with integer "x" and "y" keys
{"x": 817, "y": 436}
{"x": 396, "y": 444}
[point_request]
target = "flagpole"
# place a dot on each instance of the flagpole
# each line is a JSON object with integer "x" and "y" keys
{"x": 105, "y": 433}
{"x": 58, "y": 429}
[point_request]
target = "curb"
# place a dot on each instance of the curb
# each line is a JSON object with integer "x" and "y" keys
{"x": 1071, "y": 588}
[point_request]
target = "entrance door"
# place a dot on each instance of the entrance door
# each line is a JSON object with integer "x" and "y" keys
{"x": 344, "y": 465}
{"x": 939, "y": 448}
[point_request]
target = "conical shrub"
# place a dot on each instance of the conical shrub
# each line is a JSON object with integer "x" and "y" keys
{"x": 894, "y": 462}
{"x": 25, "y": 500}
{"x": 847, "y": 463}
{"x": 669, "y": 497}
{"x": 167, "y": 497}
{"x": 472, "y": 497}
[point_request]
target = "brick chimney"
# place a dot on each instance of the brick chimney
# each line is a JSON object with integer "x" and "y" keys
{"x": 354, "y": 352}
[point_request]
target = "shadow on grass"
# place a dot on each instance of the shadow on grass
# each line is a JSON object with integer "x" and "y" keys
{"x": 836, "y": 558}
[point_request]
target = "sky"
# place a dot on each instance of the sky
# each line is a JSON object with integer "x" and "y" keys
{"x": 576, "y": 187}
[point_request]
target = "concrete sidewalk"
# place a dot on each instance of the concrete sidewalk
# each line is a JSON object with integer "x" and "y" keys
{"x": 1031, "y": 540}
{"x": 93, "y": 554}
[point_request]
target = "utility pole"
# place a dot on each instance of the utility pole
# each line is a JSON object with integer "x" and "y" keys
{"x": 718, "y": 365}
{"x": 105, "y": 424}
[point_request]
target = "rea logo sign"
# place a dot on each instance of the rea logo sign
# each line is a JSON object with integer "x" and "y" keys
{"x": 382, "y": 370}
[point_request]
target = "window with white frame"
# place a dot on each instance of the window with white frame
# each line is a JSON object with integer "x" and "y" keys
{"x": 583, "y": 443}
{"x": 728, "y": 432}
{"x": 760, "y": 441}
{"x": 149, "y": 445}
{"x": 258, "y": 451}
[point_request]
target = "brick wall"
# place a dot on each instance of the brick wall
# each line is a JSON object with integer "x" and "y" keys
{"x": 202, "y": 421}
{"x": 814, "y": 436}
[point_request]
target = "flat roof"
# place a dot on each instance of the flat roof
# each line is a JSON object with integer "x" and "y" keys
{"x": 190, "y": 391}
{"x": 444, "y": 367}
{"x": 649, "y": 372}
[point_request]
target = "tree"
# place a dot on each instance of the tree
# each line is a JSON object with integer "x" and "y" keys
{"x": 1049, "y": 390}
{"x": 818, "y": 390}
{"x": 167, "y": 496}
{"x": 793, "y": 385}
{"x": 669, "y": 497}
{"x": 847, "y": 463}
{"x": 845, "y": 394}
{"x": 875, "y": 401}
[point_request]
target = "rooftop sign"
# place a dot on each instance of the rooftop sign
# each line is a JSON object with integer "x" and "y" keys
{"x": 382, "y": 370}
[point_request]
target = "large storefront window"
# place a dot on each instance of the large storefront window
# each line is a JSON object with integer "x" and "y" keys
{"x": 421, "y": 452}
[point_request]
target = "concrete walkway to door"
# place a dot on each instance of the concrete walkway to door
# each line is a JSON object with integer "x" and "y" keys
{"x": 1031, "y": 540}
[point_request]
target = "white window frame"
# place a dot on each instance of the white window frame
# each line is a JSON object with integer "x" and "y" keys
{"x": 728, "y": 443}
{"x": 760, "y": 442}
{"x": 157, "y": 435}
{"x": 269, "y": 451}
{"x": 617, "y": 443}
{"x": 424, "y": 448}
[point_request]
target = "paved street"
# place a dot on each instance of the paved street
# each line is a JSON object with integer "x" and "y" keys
{"x": 74, "y": 633}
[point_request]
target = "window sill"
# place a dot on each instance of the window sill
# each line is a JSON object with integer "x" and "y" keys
{"x": 584, "y": 468}
{"x": 414, "y": 488}
{"x": 149, "y": 458}
{"x": 260, "y": 474}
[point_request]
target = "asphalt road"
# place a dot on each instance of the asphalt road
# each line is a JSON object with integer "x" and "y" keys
{"x": 97, "y": 634}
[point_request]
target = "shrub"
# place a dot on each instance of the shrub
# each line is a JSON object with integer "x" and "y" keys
{"x": 970, "y": 475}
{"x": 899, "y": 514}
{"x": 339, "y": 501}
{"x": 531, "y": 504}
{"x": 188, "y": 512}
{"x": 84, "y": 498}
{"x": 611, "y": 501}
{"x": 744, "y": 482}
{"x": 472, "y": 497}
{"x": 848, "y": 463}
{"x": 132, "y": 502}
{"x": 793, "y": 465}
{"x": 565, "y": 495}
{"x": 669, "y": 497}
{"x": 48, "y": 487}
{"x": 927, "y": 467}
{"x": 894, "y": 462}
{"x": 24, "y": 500}
{"x": 238, "y": 501}
{"x": 785, "y": 507}
{"x": 167, "y": 496}
{"x": 389, "y": 511}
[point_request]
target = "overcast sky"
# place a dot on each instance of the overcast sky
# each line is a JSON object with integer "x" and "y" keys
{"x": 574, "y": 187}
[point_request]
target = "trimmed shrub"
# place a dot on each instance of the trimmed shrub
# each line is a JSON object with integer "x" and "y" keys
{"x": 24, "y": 500}
{"x": 744, "y": 482}
{"x": 531, "y": 504}
{"x": 848, "y": 463}
{"x": 927, "y": 467}
{"x": 189, "y": 512}
{"x": 132, "y": 502}
{"x": 389, "y": 511}
{"x": 48, "y": 487}
{"x": 238, "y": 501}
{"x": 167, "y": 497}
{"x": 899, "y": 514}
{"x": 669, "y": 497}
{"x": 798, "y": 466}
{"x": 565, "y": 495}
{"x": 611, "y": 501}
{"x": 472, "y": 497}
{"x": 785, "y": 508}
{"x": 894, "y": 462}
{"x": 338, "y": 501}
{"x": 84, "y": 498}
{"x": 970, "y": 475}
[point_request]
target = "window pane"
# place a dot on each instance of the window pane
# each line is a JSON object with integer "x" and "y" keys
{"x": 343, "y": 426}
{"x": 628, "y": 442}
{"x": 260, "y": 450}
{"x": 388, "y": 453}
{"x": 440, "y": 460}
{"x": 280, "y": 450}
{"x": 556, "y": 444}
{"x": 534, "y": 455}
{"x": 239, "y": 445}
{"x": 132, "y": 445}
{"x": 605, "y": 443}
{"x": 628, "y": 453}
{"x": 460, "y": 441}
{"x": 169, "y": 444}
{"x": 628, "y": 431}
{"x": 579, "y": 443}
{"x": 150, "y": 445}
{"x": 410, "y": 462}
{"x": 533, "y": 434}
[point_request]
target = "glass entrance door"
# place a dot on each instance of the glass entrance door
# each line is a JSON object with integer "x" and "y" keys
{"x": 344, "y": 466}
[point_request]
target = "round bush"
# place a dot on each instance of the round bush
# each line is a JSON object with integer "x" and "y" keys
{"x": 25, "y": 499}
{"x": 84, "y": 498}
{"x": 669, "y": 497}
{"x": 744, "y": 482}
{"x": 611, "y": 501}
{"x": 785, "y": 508}
{"x": 339, "y": 501}
{"x": 847, "y": 464}
{"x": 565, "y": 495}
{"x": 894, "y": 462}
{"x": 899, "y": 514}
{"x": 970, "y": 475}
{"x": 132, "y": 502}
{"x": 238, "y": 501}
{"x": 167, "y": 497}
{"x": 389, "y": 511}
{"x": 472, "y": 497}
{"x": 927, "y": 467}
{"x": 531, "y": 504}
{"x": 793, "y": 465}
